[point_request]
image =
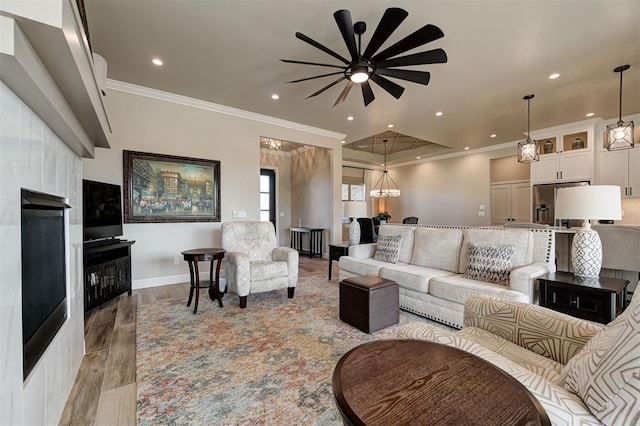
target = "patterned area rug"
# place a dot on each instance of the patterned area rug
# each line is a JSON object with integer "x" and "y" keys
{"x": 269, "y": 364}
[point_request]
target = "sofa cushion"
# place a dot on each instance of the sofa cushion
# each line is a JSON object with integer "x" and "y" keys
{"x": 606, "y": 373}
{"x": 521, "y": 239}
{"x": 538, "y": 364}
{"x": 412, "y": 277}
{"x": 388, "y": 248}
{"x": 490, "y": 263}
{"x": 361, "y": 266}
{"x": 407, "y": 239}
{"x": 457, "y": 288}
{"x": 437, "y": 248}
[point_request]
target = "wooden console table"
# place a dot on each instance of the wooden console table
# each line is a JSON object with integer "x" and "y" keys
{"x": 314, "y": 239}
{"x": 417, "y": 382}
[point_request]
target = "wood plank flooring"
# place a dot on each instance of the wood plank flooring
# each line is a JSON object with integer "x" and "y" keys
{"x": 104, "y": 392}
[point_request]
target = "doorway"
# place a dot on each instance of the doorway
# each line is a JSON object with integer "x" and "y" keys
{"x": 268, "y": 196}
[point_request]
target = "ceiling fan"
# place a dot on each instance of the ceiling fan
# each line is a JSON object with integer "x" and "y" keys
{"x": 369, "y": 65}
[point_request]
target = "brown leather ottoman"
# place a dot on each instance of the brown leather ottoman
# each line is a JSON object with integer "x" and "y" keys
{"x": 369, "y": 303}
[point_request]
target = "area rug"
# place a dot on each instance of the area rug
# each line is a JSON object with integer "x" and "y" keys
{"x": 268, "y": 364}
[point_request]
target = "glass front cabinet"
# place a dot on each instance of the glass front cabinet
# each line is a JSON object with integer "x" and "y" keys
{"x": 566, "y": 153}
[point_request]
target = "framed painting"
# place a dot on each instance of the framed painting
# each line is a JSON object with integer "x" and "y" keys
{"x": 166, "y": 188}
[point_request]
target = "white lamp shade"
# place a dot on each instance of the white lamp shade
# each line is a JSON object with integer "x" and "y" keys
{"x": 589, "y": 202}
{"x": 355, "y": 209}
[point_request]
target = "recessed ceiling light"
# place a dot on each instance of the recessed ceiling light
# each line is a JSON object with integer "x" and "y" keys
{"x": 157, "y": 61}
{"x": 390, "y": 126}
{"x": 466, "y": 148}
{"x": 438, "y": 114}
{"x": 343, "y": 142}
{"x": 554, "y": 76}
{"x": 417, "y": 158}
{"x": 350, "y": 118}
{"x": 591, "y": 114}
{"x": 493, "y": 135}
{"x": 275, "y": 97}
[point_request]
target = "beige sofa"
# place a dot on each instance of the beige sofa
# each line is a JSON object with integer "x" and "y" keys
{"x": 581, "y": 372}
{"x": 432, "y": 262}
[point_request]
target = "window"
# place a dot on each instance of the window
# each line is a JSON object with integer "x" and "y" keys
{"x": 268, "y": 196}
{"x": 352, "y": 192}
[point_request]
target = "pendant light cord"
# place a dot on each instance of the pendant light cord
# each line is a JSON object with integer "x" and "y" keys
{"x": 620, "y": 104}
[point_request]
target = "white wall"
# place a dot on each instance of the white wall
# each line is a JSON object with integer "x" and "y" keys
{"x": 151, "y": 121}
{"x": 32, "y": 157}
{"x": 445, "y": 192}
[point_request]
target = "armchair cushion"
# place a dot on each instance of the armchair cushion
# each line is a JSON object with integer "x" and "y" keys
{"x": 265, "y": 270}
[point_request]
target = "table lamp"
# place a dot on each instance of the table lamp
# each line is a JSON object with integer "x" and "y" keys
{"x": 588, "y": 202}
{"x": 354, "y": 210}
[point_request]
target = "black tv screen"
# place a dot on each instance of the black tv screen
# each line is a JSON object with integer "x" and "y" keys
{"x": 102, "y": 210}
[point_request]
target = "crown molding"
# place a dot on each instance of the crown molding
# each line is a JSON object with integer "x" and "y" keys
{"x": 456, "y": 154}
{"x": 221, "y": 109}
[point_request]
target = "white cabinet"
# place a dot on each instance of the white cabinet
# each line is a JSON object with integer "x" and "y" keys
{"x": 566, "y": 154}
{"x": 621, "y": 168}
{"x": 510, "y": 202}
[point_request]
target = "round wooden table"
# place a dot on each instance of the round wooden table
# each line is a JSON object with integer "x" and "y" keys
{"x": 204, "y": 255}
{"x": 390, "y": 382}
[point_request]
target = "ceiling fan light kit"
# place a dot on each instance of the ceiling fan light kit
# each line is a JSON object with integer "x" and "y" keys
{"x": 620, "y": 135}
{"x": 528, "y": 151}
{"x": 371, "y": 66}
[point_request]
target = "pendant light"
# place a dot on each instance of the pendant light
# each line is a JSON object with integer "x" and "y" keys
{"x": 385, "y": 186}
{"x": 620, "y": 135}
{"x": 528, "y": 150}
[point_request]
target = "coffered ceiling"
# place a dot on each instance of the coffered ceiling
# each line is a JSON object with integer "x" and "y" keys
{"x": 228, "y": 51}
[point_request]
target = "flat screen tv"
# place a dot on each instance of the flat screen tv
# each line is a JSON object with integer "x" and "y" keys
{"x": 102, "y": 210}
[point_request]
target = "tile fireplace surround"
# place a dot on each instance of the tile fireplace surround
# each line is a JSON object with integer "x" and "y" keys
{"x": 32, "y": 157}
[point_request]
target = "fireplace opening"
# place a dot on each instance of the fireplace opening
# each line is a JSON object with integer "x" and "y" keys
{"x": 44, "y": 288}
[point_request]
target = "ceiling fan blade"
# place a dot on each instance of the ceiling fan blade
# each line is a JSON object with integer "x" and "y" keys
{"x": 325, "y": 87}
{"x": 343, "y": 19}
{"x": 367, "y": 93}
{"x": 391, "y": 20}
{"x": 420, "y": 77}
{"x": 344, "y": 93}
{"x": 321, "y": 47}
{"x": 424, "y": 35}
{"x": 394, "y": 89}
{"x": 436, "y": 56}
{"x": 313, "y": 78}
{"x": 291, "y": 61}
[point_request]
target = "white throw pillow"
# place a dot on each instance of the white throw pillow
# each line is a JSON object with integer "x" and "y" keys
{"x": 606, "y": 372}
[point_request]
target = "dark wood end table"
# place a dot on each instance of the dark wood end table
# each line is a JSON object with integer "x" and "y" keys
{"x": 335, "y": 252}
{"x": 601, "y": 299}
{"x": 204, "y": 255}
{"x": 417, "y": 382}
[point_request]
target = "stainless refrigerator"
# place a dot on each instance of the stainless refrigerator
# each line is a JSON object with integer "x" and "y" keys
{"x": 544, "y": 199}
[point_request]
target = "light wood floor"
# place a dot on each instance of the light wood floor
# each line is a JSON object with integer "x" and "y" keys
{"x": 104, "y": 392}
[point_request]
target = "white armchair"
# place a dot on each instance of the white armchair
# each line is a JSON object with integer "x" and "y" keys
{"x": 253, "y": 262}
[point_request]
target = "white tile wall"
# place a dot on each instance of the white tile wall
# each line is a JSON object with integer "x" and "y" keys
{"x": 32, "y": 157}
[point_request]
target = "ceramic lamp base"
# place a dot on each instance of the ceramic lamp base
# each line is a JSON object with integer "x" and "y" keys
{"x": 354, "y": 232}
{"x": 586, "y": 253}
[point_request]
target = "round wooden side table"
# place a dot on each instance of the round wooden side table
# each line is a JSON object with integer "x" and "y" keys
{"x": 204, "y": 255}
{"x": 417, "y": 382}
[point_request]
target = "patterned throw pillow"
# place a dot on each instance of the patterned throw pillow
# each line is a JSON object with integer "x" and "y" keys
{"x": 388, "y": 248}
{"x": 491, "y": 264}
{"x": 606, "y": 372}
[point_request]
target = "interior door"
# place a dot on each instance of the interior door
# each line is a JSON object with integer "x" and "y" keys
{"x": 268, "y": 196}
